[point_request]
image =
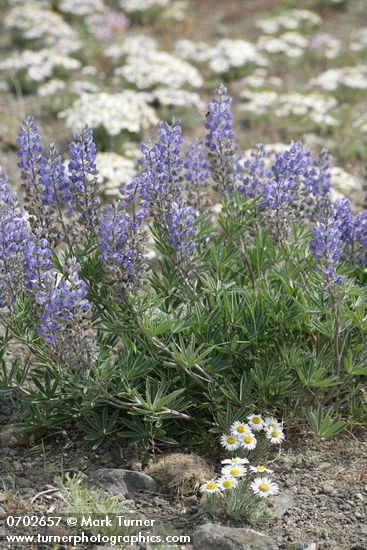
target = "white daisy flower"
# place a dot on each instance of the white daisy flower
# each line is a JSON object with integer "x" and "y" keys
{"x": 227, "y": 482}
{"x": 229, "y": 442}
{"x": 235, "y": 460}
{"x": 275, "y": 436}
{"x": 247, "y": 441}
{"x": 264, "y": 487}
{"x": 239, "y": 428}
{"x": 256, "y": 422}
{"x": 270, "y": 423}
{"x": 211, "y": 486}
{"x": 234, "y": 470}
{"x": 261, "y": 469}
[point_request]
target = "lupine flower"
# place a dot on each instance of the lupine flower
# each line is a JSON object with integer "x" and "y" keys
{"x": 196, "y": 174}
{"x": 223, "y": 159}
{"x": 30, "y": 161}
{"x": 344, "y": 218}
{"x": 121, "y": 245}
{"x": 83, "y": 177}
{"x": 65, "y": 324}
{"x": 160, "y": 181}
{"x": 255, "y": 173}
{"x": 56, "y": 195}
{"x": 319, "y": 176}
{"x": 359, "y": 243}
{"x": 282, "y": 191}
{"x": 181, "y": 231}
{"x": 165, "y": 167}
{"x": 264, "y": 487}
{"x": 37, "y": 261}
{"x": 327, "y": 245}
{"x": 13, "y": 239}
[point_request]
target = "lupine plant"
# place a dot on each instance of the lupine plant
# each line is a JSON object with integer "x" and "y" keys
{"x": 153, "y": 317}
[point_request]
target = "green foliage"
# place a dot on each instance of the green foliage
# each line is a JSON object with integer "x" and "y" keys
{"x": 238, "y": 505}
{"x": 322, "y": 423}
{"x": 253, "y": 329}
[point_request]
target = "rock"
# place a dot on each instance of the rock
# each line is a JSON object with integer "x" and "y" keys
{"x": 2, "y": 512}
{"x": 328, "y": 489}
{"x": 363, "y": 529}
{"x": 281, "y": 504}
{"x": 219, "y": 537}
{"x": 121, "y": 482}
{"x": 302, "y": 545}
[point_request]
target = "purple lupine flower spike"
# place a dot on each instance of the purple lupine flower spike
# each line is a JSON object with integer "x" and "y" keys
{"x": 327, "y": 244}
{"x": 121, "y": 237}
{"x": 30, "y": 161}
{"x": 283, "y": 190}
{"x": 13, "y": 238}
{"x": 223, "y": 159}
{"x": 84, "y": 178}
{"x": 65, "y": 320}
{"x": 255, "y": 173}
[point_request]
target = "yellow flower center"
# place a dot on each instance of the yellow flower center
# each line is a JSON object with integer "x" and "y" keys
{"x": 272, "y": 425}
{"x": 227, "y": 483}
{"x": 231, "y": 440}
{"x": 260, "y": 468}
{"x": 274, "y": 434}
{"x": 248, "y": 439}
{"x": 264, "y": 487}
{"x": 240, "y": 429}
{"x": 234, "y": 460}
{"x": 256, "y": 420}
{"x": 234, "y": 472}
{"x": 211, "y": 486}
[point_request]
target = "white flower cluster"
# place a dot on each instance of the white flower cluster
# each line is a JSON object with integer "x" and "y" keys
{"x": 125, "y": 111}
{"x": 39, "y": 65}
{"x": 194, "y": 51}
{"x": 176, "y": 10}
{"x": 358, "y": 40}
{"x": 242, "y": 437}
{"x": 291, "y": 43}
{"x": 227, "y": 54}
{"x": 259, "y": 78}
{"x": 81, "y": 7}
{"x": 37, "y": 23}
{"x": 77, "y": 87}
{"x": 325, "y": 45}
{"x": 318, "y": 108}
{"x": 177, "y": 98}
{"x": 132, "y": 45}
{"x": 288, "y": 20}
{"x": 153, "y": 68}
{"x": 131, "y": 6}
{"x": 351, "y": 77}
{"x": 114, "y": 172}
